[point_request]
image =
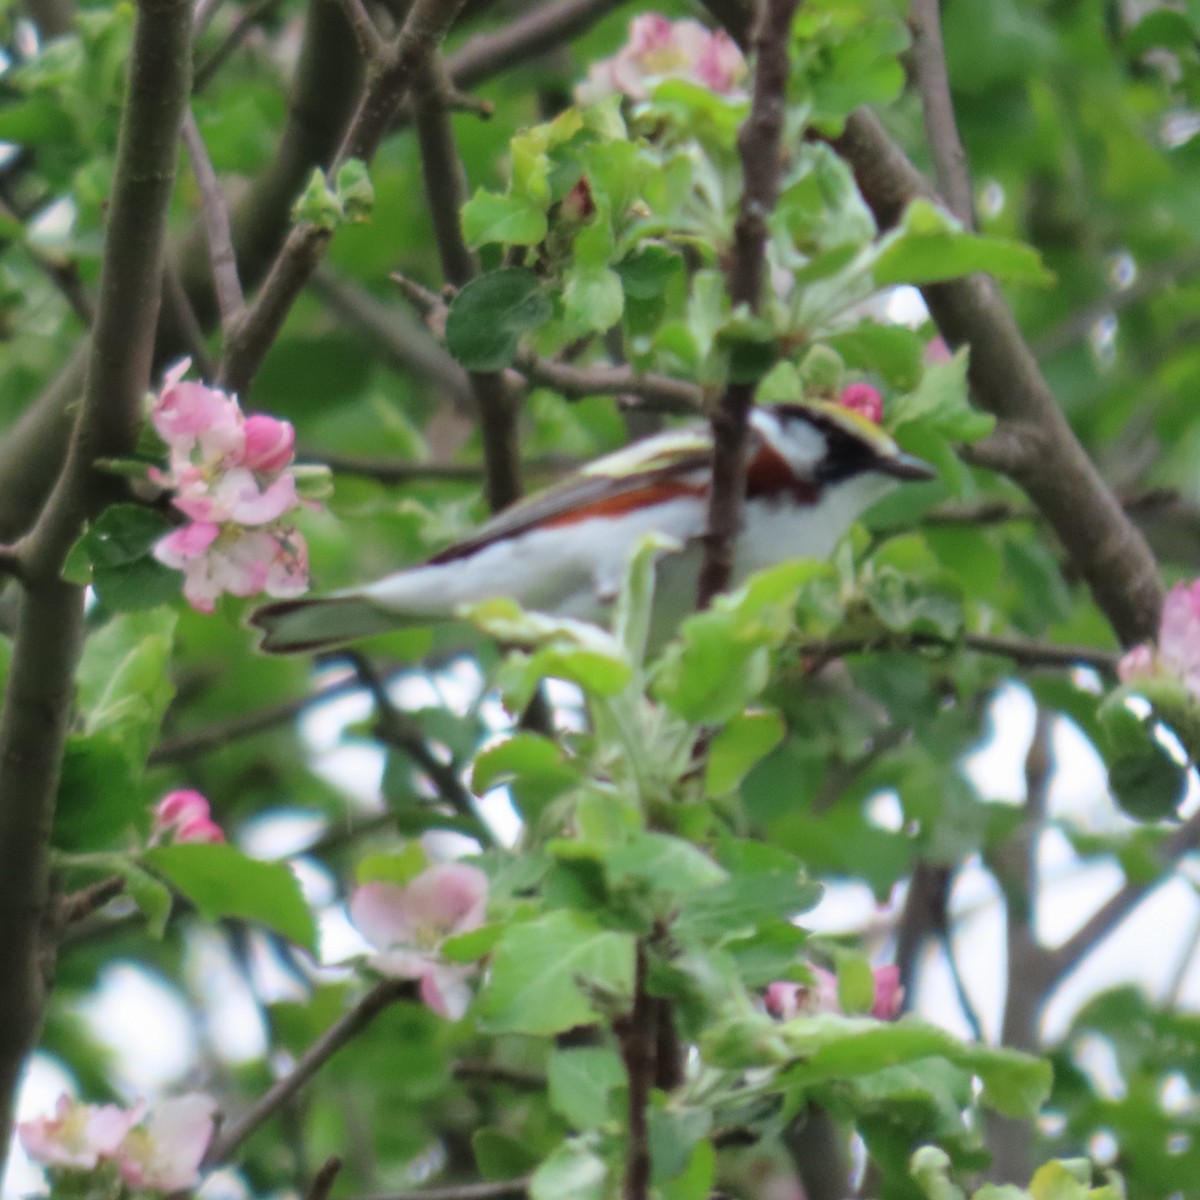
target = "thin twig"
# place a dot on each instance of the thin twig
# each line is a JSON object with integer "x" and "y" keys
{"x": 221, "y": 733}
{"x": 507, "y": 1189}
{"x": 941, "y": 129}
{"x": 1063, "y": 959}
{"x": 370, "y": 40}
{"x": 1019, "y": 650}
{"x": 1183, "y": 965}
{"x": 229, "y": 43}
{"x": 486, "y": 1072}
{"x": 637, "y": 1034}
{"x": 397, "y": 728}
{"x": 759, "y": 144}
{"x": 247, "y": 345}
{"x": 75, "y": 906}
{"x": 230, "y": 301}
{"x": 323, "y": 1181}
{"x": 543, "y": 28}
{"x": 178, "y": 303}
{"x": 343, "y": 1030}
{"x": 445, "y": 191}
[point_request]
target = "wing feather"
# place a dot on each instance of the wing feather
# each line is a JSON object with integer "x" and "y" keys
{"x": 657, "y": 468}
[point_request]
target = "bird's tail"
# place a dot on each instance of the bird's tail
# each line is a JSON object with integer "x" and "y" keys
{"x": 320, "y": 623}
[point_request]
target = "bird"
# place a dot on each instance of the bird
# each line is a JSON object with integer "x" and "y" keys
{"x": 812, "y": 469}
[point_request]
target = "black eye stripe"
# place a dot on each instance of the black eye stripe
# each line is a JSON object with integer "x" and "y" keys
{"x": 845, "y": 454}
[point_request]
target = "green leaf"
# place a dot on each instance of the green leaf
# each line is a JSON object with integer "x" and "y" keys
{"x": 738, "y": 746}
{"x": 833, "y": 1047}
{"x": 399, "y": 868}
{"x": 115, "y": 556}
{"x": 635, "y": 603}
{"x": 488, "y": 317}
{"x": 542, "y": 971}
{"x": 930, "y": 246}
{"x": 499, "y": 1155}
{"x": 940, "y": 403}
{"x": 354, "y": 190}
{"x": 1146, "y": 778}
{"x": 152, "y": 897}
{"x": 695, "y": 1182}
{"x": 720, "y": 663}
{"x": 124, "y": 681}
{"x": 221, "y": 881}
{"x": 582, "y": 1080}
{"x": 573, "y": 1172}
{"x": 318, "y": 204}
{"x": 668, "y": 864}
{"x": 536, "y": 770}
{"x": 674, "y": 1133}
{"x": 510, "y": 220}
{"x": 593, "y": 299}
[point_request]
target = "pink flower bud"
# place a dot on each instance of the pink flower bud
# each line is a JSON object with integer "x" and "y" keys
{"x": 889, "y": 995}
{"x": 864, "y": 399}
{"x": 184, "y": 816}
{"x": 176, "y": 807}
{"x": 269, "y": 443}
{"x": 199, "y": 829}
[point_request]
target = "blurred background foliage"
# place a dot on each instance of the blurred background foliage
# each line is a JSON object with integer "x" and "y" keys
{"x": 1080, "y": 119}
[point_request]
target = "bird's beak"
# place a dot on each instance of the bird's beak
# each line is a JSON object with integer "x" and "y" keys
{"x": 906, "y": 466}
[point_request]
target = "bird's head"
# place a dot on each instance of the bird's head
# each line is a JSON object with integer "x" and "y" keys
{"x": 824, "y": 445}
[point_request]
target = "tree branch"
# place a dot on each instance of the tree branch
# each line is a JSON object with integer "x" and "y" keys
{"x": 941, "y": 129}
{"x": 759, "y": 145}
{"x": 343, "y": 1030}
{"x": 1019, "y": 650}
{"x": 445, "y": 191}
{"x": 38, "y": 692}
{"x": 507, "y": 1189}
{"x": 230, "y": 301}
{"x": 543, "y": 28}
{"x": 221, "y": 733}
{"x": 1015, "y": 866}
{"x": 389, "y": 81}
{"x": 323, "y": 1181}
{"x": 637, "y": 1034}
{"x": 1043, "y": 457}
{"x": 1063, "y": 959}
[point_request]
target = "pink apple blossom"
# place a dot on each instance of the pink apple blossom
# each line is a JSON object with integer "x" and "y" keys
{"x": 864, "y": 399}
{"x": 238, "y": 497}
{"x": 184, "y": 816}
{"x": 659, "y": 48}
{"x": 268, "y": 443}
{"x": 164, "y": 1152}
{"x": 78, "y": 1135}
{"x": 233, "y": 477}
{"x": 786, "y": 1000}
{"x": 408, "y": 925}
{"x": 1177, "y": 653}
{"x": 242, "y": 562}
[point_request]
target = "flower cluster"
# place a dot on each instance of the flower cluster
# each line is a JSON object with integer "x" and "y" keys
{"x": 408, "y": 924}
{"x": 787, "y": 1000}
{"x": 863, "y": 399}
{"x": 184, "y": 816}
{"x": 1176, "y": 655}
{"x": 233, "y": 479}
{"x": 156, "y": 1149}
{"x": 658, "y": 49}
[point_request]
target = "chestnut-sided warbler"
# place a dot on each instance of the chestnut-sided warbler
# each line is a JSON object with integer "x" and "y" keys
{"x": 811, "y": 470}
